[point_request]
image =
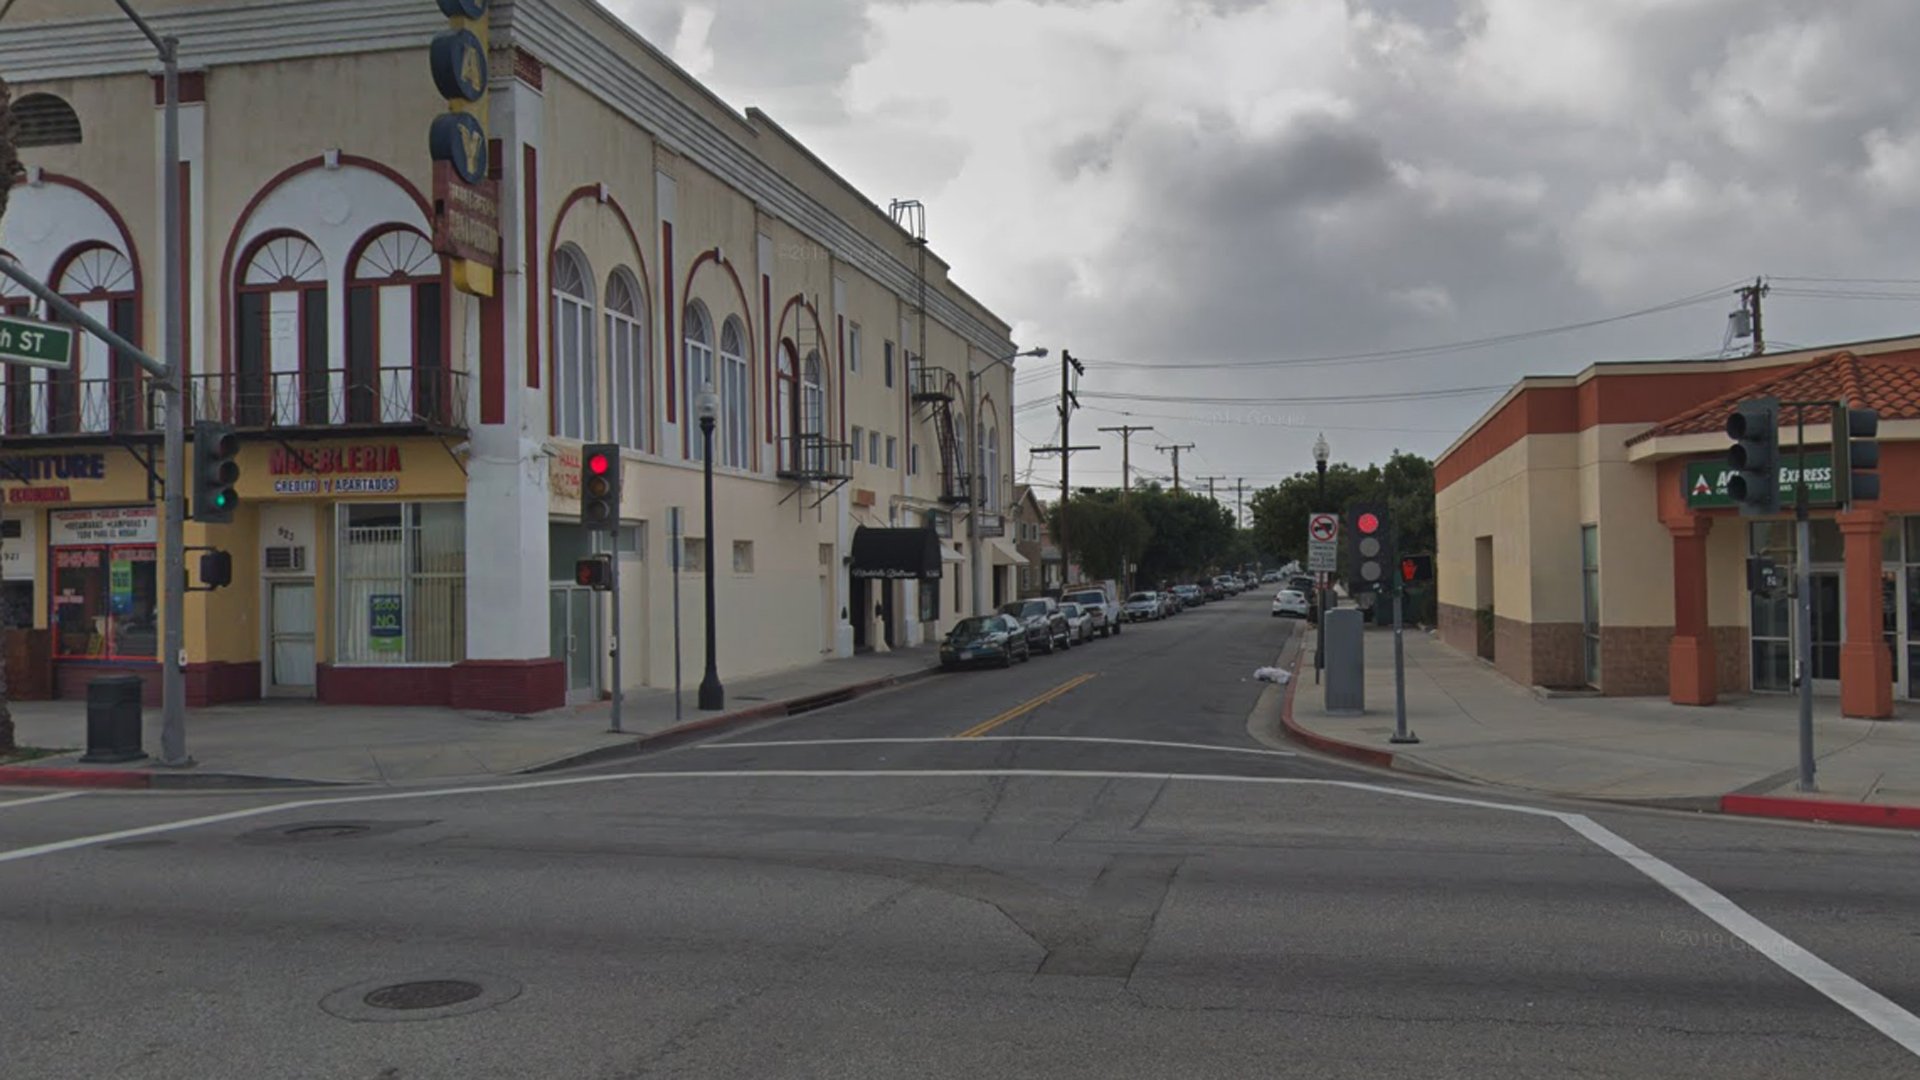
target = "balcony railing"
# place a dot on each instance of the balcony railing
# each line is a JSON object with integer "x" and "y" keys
{"x": 386, "y": 397}
{"x": 812, "y": 457}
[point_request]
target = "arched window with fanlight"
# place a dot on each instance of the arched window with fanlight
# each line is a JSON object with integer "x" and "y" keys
{"x": 575, "y": 401}
{"x": 280, "y": 339}
{"x": 396, "y": 341}
{"x": 736, "y": 396}
{"x": 627, "y": 352}
{"x": 100, "y": 391}
{"x": 813, "y": 410}
{"x": 698, "y": 372}
{"x": 786, "y": 412}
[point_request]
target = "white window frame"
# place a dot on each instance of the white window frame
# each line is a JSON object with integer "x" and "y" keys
{"x": 736, "y": 397}
{"x": 858, "y": 435}
{"x": 893, "y": 452}
{"x": 627, "y": 353}
{"x": 696, "y": 371}
{"x": 573, "y": 354}
{"x": 853, "y": 347}
{"x": 345, "y": 613}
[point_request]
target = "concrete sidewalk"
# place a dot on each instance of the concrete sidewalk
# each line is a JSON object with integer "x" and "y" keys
{"x": 1739, "y": 756}
{"x": 302, "y": 742}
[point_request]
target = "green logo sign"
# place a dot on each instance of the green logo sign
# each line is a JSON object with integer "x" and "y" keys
{"x": 1707, "y": 481}
{"x": 25, "y": 341}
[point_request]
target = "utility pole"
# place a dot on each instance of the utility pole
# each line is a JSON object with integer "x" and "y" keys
{"x": 1750, "y": 300}
{"x": 1239, "y": 498}
{"x": 1069, "y": 367}
{"x": 1176, "y": 448}
{"x": 1210, "y": 480}
{"x": 1126, "y": 461}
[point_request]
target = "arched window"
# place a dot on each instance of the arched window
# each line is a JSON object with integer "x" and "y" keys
{"x": 575, "y": 403}
{"x": 101, "y": 391}
{"x": 281, "y": 333}
{"x": 44, "y": 120}
{"x": 813, "y": 409}
{"x": 698, "y": 370}
{"x": 627, "y": 351}
{"x": 396, "y": 350}
{"x": 992, "y": 474}
{"x": 736, "y": 396}
{"x": 786, "y": 411}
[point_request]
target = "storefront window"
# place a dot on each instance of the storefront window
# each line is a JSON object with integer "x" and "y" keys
{"x": 104, "y": 603}
{"x": 403, "y": 575}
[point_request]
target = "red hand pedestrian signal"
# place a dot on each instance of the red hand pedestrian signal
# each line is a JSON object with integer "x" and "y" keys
{"x": 1408, "y": 569}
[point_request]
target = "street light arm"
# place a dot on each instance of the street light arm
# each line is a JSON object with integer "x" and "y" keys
{"x": 164, "y": 45}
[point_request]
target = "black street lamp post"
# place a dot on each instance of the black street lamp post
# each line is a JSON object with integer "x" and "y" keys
{"x": 1320, "y": 454}
{"x": 712, "y": 696}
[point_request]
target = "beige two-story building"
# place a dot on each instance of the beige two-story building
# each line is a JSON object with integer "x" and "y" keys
{"x": 410, "y": 515}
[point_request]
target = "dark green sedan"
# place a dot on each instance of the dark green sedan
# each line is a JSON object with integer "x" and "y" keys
{"x": 998, "y": 640}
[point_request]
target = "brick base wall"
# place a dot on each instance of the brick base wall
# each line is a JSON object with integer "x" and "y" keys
{"x": 1633, "y": 660}
{"x": 1459, "y": 628}
{"x": 221, "y": 681}
{"x": 1557, "y": 652}
{"x": 1732, "y": 659}
{"x": 511, "y": 686}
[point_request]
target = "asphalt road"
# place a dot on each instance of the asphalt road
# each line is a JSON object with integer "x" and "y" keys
{"x": 955, "y": 907}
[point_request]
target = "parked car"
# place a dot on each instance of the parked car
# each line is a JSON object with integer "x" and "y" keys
{"x": 1083, "y": 621}
{"x": 1047, "y": 628}
{"x": 999, "y": 640}
{"x": 1101, "y": 599}
{"x": 1169, "y": 603}
{"x": 1144, "y": 606}
{"x": 1290, "y": 602}
{"x": 1190, "y": 595}
{"x": 1272, "y": 576}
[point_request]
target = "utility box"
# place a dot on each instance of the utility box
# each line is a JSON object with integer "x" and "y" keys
{"x": 1346, "y": 673}
{"x": 113, "y": 719}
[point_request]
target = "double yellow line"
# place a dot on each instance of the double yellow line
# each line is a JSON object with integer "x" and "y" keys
{"x": 1023, "y": 708}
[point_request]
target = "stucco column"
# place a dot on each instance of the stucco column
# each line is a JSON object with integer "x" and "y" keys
{"x": 1866, "y": 670}
{"x": 1691, "y": 678}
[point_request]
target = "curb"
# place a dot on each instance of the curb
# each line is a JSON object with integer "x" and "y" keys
{"x": 641, "y": 744}
{"x": 1824, "y": 811}
{"x": 145, "y": 779}
{"x": 1821, "y": 811}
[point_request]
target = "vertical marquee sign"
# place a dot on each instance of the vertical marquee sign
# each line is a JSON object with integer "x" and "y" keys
{"x": 466, "y": 202}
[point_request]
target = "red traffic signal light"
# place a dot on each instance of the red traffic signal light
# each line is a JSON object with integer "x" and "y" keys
{"x": 598, "y": 464}
{"x": 1368, "y": 523}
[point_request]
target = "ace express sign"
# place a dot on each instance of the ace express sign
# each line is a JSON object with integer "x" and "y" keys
{"x": 1707, "y": 482}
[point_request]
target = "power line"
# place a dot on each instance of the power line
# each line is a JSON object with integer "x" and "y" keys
{"x": 1430, "y": 350}
{"x": 1333, "y": 399}
{"x": 1265, "y": 423}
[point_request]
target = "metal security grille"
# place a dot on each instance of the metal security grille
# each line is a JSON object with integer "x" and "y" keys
{"x": 402, "y": 583}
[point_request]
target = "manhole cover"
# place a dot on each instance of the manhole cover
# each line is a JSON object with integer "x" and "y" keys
{"x": 430, "y": 995}
{"x": 426, "y": 994}
{"x": 321, "y": 832}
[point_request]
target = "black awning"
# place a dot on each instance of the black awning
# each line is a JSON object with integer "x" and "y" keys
{"x": 896, "y": 553}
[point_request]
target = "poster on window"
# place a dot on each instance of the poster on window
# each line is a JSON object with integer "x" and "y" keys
{"x": 120, "y": 585}
{"x": 383, "y": 623}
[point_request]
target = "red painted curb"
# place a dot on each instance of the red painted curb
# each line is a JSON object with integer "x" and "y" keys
{"x": 1365, "y": 754}
{"x": 1823, "y": 810}
{"x": 31, "y": 776}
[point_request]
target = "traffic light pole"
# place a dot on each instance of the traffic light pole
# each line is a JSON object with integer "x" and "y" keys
{"x": 1803, "y": 600}
{"x": 613, "y": 650}
{"x": 1400, "y": 732}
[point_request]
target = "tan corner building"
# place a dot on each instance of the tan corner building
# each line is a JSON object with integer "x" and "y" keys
{"x": 409, "y": 516}
{"x": 1586, "y": 539}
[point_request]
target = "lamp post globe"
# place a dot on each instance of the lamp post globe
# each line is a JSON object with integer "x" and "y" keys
{"x": 707, "y": 407}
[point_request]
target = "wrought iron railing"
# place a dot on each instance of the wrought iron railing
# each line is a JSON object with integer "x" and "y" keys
{"x": 395, "y": 396}
{"x": 929, "y": 383}
{"x": 812, "y": 457}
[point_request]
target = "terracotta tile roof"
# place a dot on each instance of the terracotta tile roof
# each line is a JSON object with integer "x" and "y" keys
{"x": 1890, "y": 384}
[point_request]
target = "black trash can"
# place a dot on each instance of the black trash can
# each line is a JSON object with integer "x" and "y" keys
{"x": 113, "y": 719}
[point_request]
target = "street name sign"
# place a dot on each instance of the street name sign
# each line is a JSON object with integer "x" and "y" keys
{"x": 39, "y": 344}
{"x": 1323, "y": 543}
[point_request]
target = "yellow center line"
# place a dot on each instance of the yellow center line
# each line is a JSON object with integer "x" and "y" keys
{"x": 1024, "y": 708}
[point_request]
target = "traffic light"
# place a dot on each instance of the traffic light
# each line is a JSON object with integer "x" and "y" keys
{"x": 594, "y": 572}
{"x": 216, "y": 569}
{"x": 600, "y": 486}
{"x": 1370, "y": 547}
{"x": 1415, "y": 569}
{"x": 214, "y": 472}
{"x": 1856, "y": 455}
{"x": 1754, "y": 427}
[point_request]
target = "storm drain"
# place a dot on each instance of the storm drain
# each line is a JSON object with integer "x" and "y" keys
{"x": 432, "y": 997}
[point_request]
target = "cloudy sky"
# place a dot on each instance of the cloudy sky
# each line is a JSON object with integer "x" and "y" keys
{"x": 1159, "y": 185}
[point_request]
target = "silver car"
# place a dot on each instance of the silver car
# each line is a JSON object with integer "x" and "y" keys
{"x": 1086, "y": 622}
{"x": 1143, "y": 606}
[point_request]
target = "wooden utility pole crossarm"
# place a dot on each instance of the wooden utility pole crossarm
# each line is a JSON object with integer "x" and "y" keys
{"x": 1175, "y": 450}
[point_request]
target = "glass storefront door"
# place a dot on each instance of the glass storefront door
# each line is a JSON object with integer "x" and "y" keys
{"x": 574, "y": 636}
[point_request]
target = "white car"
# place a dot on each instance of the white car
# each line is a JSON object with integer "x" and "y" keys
{"x": 1290, "y": 602}
{"x": 1080, "y": 620}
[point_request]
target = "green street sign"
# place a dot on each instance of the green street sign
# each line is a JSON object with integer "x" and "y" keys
{"x": 26, "y": 341}
{"x": 1707, "y": 481}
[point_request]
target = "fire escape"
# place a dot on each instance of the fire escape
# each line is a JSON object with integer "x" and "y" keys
{"x": 930, "y": 386}
{"x": 812, "y": 462}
